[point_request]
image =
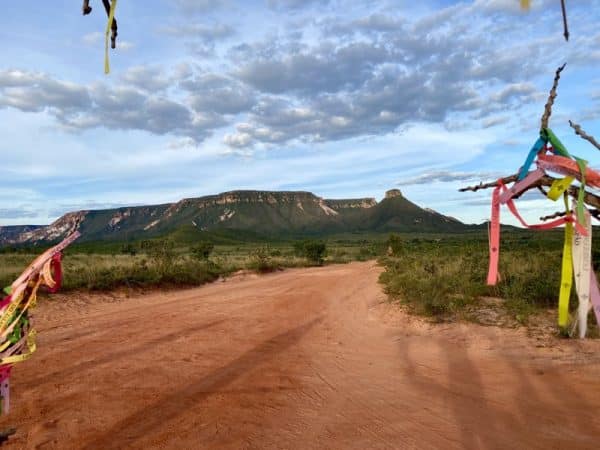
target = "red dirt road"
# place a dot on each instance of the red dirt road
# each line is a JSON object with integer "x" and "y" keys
{"x": 302, "y": 359}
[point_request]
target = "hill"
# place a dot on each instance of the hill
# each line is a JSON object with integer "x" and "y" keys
{"x": 242, "y": 215}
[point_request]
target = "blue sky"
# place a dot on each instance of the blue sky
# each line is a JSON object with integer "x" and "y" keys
{"x": 341, "y": 98}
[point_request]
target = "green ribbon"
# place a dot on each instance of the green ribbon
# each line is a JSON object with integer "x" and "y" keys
{"x": 558, "y": 146}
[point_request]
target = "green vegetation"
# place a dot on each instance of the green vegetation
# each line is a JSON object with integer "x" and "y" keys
{"x": 446, "y": 278}
{"x": 313, "y": 251}
{"x": 176, "y": 262}
{"x": 202, "y": 250}
{"x": 438, "y": 275}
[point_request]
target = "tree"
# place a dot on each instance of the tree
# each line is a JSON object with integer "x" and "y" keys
{"x": 202, "y": 250}
{"x": 314, "y": 251}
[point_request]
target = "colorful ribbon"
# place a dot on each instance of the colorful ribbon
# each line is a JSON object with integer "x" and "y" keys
{"x": 111, "y": 16}
{"x": 582, "y": 261}
{"x": 501, "y": 192}
{"x": 537, "y": 147}
{"x": 17, "y": 336}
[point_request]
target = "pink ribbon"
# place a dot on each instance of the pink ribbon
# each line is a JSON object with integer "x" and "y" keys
{"x": 595, "y": 294}
{"x": 520, "y": 186}
{"x": 5, "y": 372}
{"x": 501, "y": 191}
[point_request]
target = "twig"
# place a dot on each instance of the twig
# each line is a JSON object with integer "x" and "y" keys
{"x": 541, "y": 189}
{"x": 565, "y": 25}
{"x": 492, "y": 184}
{"x": 580, "y": 132}
{"x": 553, "y": 216}
{"x": 573, "y": 191}
{"x": 593, "y": 212}
{"x": 551, "y": 97}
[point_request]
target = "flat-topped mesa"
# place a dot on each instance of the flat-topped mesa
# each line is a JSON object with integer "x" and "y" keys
{"x": 393, "y": 193}
{"x": 351, "y": 203}
{"x": 272, "y": 197}
{"x": 237, "y": 197}
{"x": 288, "y": 214}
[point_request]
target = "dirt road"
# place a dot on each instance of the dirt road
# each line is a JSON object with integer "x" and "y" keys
{"x": 301, "y": 359}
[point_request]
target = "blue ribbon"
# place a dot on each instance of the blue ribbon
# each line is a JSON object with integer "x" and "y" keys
{"x": 539, "y": 144}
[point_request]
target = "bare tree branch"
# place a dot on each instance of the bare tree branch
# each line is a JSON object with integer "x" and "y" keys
{"x": 505, "y": 180}
{"x": 573, "y": 191}
{"x": 551, "y": 97}
{"x": 594, "y": 212}
{"x": 553, "y": 216}
{"x": 580, "y": 132}
{"x": 565, "y": 25}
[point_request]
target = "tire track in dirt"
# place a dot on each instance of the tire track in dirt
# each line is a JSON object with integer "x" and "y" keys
{"x": 306, "y": 358}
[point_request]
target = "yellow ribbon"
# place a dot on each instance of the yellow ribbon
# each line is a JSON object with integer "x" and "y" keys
{"x": 559, "y": 186}
{"x": 30, "y": 301}
{"x": 567, "y": 273}
{"x": 31, "y": 345}
{"x": 525, "y": 4}
{"x": 7, "y": 314}
{"x": 47, "y": 274}
{"x": 111, "y": 17}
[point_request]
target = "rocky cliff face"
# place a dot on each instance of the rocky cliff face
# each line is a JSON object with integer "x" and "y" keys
{"x": 393, "y": 193}
{"x": 260, "y": 212}
{"x": 56, "y": 230}
{"x": 359, "y": 203}
{"x": 9, "y": 234}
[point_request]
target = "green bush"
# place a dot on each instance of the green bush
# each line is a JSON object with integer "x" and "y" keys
{"x": 440, "y": 279}
{"x": 395, "y": 245}
{"x": 261, "y": 260}
{"x": 314, "y": 251}
{"x": 202, "y": 250}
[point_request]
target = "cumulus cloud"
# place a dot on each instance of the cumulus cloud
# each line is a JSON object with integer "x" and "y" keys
{"x": 211, "y": 92}
{"x": 148, "y": 78}
{"x": 447, "y": 176}
{"x": 335, "y": 77}
{"x": 123, "y": 107}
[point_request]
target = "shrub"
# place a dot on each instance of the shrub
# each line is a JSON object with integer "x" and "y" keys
{"x": 314, "y": 251}
{"x": 202, "y": 250}
{"x": 161, "y": 251}
{"x": 394, "y": 245}
{"x": 129, "y": 249}
{"x": 261, "y": 261}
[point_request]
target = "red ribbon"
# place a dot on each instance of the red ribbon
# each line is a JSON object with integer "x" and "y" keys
{"x": 56, "y": 269}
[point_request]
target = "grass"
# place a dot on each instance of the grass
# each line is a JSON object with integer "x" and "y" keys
{"x": 442, "y": 277}
{"x": 446, "y": 279}
{"x": 108, "y": 266}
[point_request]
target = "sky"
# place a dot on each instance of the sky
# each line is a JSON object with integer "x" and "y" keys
{"x": 341, "y": 98}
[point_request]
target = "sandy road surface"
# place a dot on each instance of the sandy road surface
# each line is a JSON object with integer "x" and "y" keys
{"x": 305, "y": 359}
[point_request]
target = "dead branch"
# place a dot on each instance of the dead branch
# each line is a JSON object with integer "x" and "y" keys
{"x": 505, "y": 180}
{"x": 551, "y": 97}
{"x": 553, "y": 216}
{"x": 565, "y": 25}
{"x": 580, "y": 132}
{"x": 594, "y": 213}
{"x": 588, "y": 198}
